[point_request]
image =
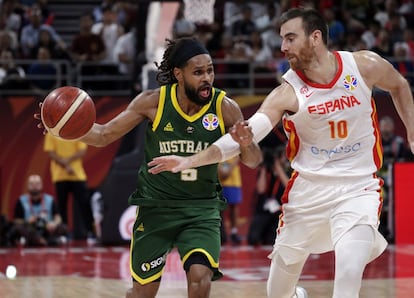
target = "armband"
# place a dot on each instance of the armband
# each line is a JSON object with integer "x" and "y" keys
{"x": 227, "y": 146}
{"x": 261, "y": 126}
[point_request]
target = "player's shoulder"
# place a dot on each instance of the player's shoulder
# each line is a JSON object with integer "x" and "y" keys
{"x": 369, "y": 62}
{"x": 366, "y": 57}
{"x": 150, "y": 96}
{"x": 229, "y": 104}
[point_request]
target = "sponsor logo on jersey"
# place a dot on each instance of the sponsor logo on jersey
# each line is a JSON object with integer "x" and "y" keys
{"x": 338, "y": 104}
{"x": 168, "y": 127}
{"x": 305, "y": 91}
{"x": 350, "y": 82}
{"x": 147, "y": 266}
{"x": 141, "y": 227}
{"x": 190, "y": 129}
{"x": 331, "y": 152}
{"x": 210, "y": 121}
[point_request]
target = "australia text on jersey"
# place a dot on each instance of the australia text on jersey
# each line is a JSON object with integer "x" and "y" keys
{"x": 182, "y": 146}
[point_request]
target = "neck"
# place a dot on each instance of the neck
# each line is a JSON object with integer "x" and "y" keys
{"x": 323, "y": 69}
{"x": 186, "y": 105}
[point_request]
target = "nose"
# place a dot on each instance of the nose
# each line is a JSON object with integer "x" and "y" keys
{"x": 284, "y": 46}
{"x": 208, "y": 77}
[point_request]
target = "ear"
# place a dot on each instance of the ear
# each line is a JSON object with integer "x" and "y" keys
{"x": 316, "y": 37}
{"x": 178, "y": 73}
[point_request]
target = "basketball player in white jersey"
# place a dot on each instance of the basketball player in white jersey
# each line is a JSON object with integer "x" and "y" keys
{"x": 333, "y": 198}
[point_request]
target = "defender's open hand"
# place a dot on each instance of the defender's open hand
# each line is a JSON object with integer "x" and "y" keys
{"x": 242, "y": 133}
{"x": 171, "y": 163}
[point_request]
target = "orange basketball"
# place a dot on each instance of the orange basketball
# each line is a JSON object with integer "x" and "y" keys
{"x": 68, "y": 112}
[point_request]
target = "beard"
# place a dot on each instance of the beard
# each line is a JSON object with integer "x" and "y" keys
{"x": 303, "y": 59}
{"x": 194, "y": 94}
{"x": 35, "y": 193}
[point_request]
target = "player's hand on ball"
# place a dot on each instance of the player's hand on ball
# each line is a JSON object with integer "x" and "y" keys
{"x": 68, "y": 112}
{"x": 37, "y": 116}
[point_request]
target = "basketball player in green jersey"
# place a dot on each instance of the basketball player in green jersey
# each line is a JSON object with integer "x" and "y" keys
{"x": 178, "y": 210}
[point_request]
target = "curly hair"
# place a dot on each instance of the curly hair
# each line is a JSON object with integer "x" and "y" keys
{"x": 176, "y": 54}
{"x": 165, "y": 73}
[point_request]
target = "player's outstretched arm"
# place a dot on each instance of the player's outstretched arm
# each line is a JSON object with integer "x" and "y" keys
{"x": 175, "y": 164}
{"x": 239, "y": 140}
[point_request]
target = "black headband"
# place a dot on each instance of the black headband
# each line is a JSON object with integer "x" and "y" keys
{"x": 187, "y": 49}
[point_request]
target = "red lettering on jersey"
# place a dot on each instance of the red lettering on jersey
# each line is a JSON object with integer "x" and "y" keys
{"x": 334, "y": 105}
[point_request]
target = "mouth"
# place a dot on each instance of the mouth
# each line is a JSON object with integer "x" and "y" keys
{"x": 205, "y": 91}
{"x": 290, "y": 58}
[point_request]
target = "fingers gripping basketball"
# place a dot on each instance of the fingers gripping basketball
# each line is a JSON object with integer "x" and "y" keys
{"x": 68, "y": 112}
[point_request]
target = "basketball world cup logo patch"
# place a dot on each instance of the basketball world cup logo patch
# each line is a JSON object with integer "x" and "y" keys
{"x": 350, "y": 82}
{"x": 210, "y": 122}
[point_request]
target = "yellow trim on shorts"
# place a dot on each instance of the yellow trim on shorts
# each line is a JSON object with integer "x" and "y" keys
{"x": 140, "y": 280}
{"x": 204, "y": 252}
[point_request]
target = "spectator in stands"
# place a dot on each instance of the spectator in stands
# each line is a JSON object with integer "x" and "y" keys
{"x": 395, "y": 27}
{"x": 383, "y": 45}
{"x": 237, "y": 56}
{"x": 241, "y": 29}
{"x": 43, "y": 73}
{"x": 369, "y": 36}
{"x": 121, "y": 9}
{"x": 36, "y": 217}
{"x": 124, "y": 55}
{"x": 409, "y": 39}
{"x": 47, "y": 15}
{"x": 30, "y": 33}
{"x": 266, "y": 23}
{"x": 46, "y": 41}
{"x": 12, "y": 76}
{"x": 8, "y": 38}
{"x": 269, "y": 27}
{"x": 181, "y": 26}
{"x": 336, "y": 28}
{"x": 109, "y": 30}
{"x": 69, "y": 176}
{"x": 402, "y": 61}
{"x": 12, "y": 14}
{"x": 87, "y": 47}
{"x": 259, "y": 51}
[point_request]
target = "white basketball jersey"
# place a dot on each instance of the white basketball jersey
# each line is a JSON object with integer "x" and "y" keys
{"x": 335, "y": 132}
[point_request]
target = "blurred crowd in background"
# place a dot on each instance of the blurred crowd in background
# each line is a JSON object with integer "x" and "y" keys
{"x": 242, "y": 33}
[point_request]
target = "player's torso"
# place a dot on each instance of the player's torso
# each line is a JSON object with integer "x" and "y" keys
{"x": 335, "y": 131}
{"x": 174, "y": 132}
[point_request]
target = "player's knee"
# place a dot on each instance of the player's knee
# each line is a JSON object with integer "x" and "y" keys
{"x": 199, "y": 278}
{"x": 199, "y": 273}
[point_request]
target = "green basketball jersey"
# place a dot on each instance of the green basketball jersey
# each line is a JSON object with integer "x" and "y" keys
{"x": 174, "y": 132}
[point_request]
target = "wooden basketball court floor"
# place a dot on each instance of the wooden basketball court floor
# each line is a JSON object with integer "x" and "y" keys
{"x": 82, "y": 270}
